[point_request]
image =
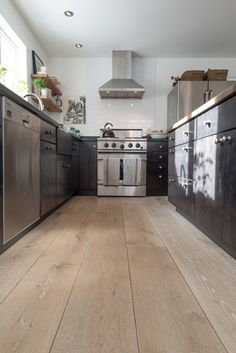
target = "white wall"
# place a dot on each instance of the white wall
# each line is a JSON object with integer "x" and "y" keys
{"x": 17, "y": 23}
{"x": 167, "y": 67}
{"x": 83, "y": 76}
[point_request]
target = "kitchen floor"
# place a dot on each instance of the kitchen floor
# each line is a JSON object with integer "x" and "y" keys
{"x": 117, "y": 275}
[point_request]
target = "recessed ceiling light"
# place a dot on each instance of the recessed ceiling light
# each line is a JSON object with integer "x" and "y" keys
{"x": 69, "y": 13}
{"x": 78, "y": 45}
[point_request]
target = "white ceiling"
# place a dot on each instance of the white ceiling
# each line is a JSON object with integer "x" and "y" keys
{"x": 151, "y": 28}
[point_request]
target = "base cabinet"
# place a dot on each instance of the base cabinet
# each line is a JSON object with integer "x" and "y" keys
{"x": 209, "y": 199}
{"x": 88, "y": 167}
{"x": 216, "y": 188}
{"x": 63, "y": 179}
{"x": 157, "y": 168}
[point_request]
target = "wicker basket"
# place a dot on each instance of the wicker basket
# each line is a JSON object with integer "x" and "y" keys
{"x": 193, "y": 75}
{"x": 216, "y": 75}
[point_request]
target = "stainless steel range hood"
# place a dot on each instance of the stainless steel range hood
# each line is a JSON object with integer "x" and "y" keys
{"x": 121, "y": 85}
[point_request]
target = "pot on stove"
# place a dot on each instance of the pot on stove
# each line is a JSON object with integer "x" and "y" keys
{"x": 107, "y": 130}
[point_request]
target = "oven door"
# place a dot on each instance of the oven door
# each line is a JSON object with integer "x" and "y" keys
{"x": 127, "y": 169}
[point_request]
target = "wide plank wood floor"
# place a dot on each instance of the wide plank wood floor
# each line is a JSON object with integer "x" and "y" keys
{"x": 117, "y": 275}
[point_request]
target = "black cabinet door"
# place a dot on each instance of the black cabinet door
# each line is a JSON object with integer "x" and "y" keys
{"x": 88, "y": 167}
{"x": 209, "y": 172}
{"x": 48, "y": 177}
{"x": 75, "y": 167}
{"x": 185, "y": 198}
{"x": 229, "y": 208}
{"x": 63, "y": 179}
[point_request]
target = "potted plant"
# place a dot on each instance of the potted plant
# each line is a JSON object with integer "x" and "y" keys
{"x": 40, "y": 87}
{"x": 3, "y": 71}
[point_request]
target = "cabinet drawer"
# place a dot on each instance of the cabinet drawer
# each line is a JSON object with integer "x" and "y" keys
{"x": 171, "y": 139}
{"x": 157, "y": 185}
{"x": 48, "y": 132}
{"x": 185, "y": 133}
{"x": 157, "y": 157}
{"x": 218, "y": 119}
{"x": 157, "y": 146}
{"x": 181, "y": 160}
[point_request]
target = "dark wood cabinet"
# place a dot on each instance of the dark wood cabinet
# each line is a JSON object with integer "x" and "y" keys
{"x": 208, "y": 199}
{"x": 64, "y": 172}
{"x": 48, "y": 132}
{"x": 215, "y": 169}
{"x": 75, "y": 166}
{"x": 88, "y": 166}
{"x": 157, "y": 167}
{"x": 48, "y": 177}
{"x": 209, "y": 170}
{"x": 229, "y": 208}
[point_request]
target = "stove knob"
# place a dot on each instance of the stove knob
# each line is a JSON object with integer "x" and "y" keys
{"x": 130, "y": 145}
{"x": 137, "y": 145}
{"x": 106, "y": 145}
{"x": 113, "y": 145}
{"x": 122, "y": 146}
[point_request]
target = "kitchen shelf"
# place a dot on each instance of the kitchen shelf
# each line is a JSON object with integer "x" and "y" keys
{"x": 49, "y": 104}
{"x": 50, "y": 83}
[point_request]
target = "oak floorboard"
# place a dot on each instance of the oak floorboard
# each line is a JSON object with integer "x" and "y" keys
{"x": 99, "y": 316}
{"x": 209, "y": 271}
{"x": 138, "y": 226}
{"x": 31, "y": 313}
{"x": 168, "y": 317}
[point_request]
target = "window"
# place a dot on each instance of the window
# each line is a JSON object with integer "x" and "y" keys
{"x": 13, "y": 57}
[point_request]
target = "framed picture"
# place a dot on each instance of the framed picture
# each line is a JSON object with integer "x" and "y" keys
{"x": 37, "y": 62}
{"x": 74, "y": 110}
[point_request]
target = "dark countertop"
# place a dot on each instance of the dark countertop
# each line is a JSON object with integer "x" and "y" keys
{"x": 221, "y": 97}
{"x": 4, "y": 91}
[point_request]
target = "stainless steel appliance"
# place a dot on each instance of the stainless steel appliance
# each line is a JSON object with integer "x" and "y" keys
{"x": 187, "y": 96}
{"x": 21, "y": 168}
{"x": 122, "y": 164}
{"x": 121, "y": 85}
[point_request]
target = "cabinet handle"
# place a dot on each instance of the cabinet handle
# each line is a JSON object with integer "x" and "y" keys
{"x": 66, "y": 165}
{"x": 49, "y": 132}
{"x": 185, "y": 149}
{"x": 160, "y": 176}
{"x": 210, "y": 94}
{"x": 94, "y": 146}
{"x": 160, "y": 157}
{"x": 185, "y": 186}
{"x": 229, "y": 139}
{"x": 207, "y": 123}
{"x": 171, "y": 138}
{"x": 171, "y": 180}
{"x": 206, "y": 95}
{"x": 25, "y": 121}
{"x": 217, "y": 141}
{"x": 160, "y": 167}
{"x": 172, "y": 151}
{"x": 161, "y": 147}
{"x": 49, "y": 148}
{"x": 186, "y": 133}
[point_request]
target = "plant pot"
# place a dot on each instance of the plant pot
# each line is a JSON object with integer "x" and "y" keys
{"x": 46, "y": 92}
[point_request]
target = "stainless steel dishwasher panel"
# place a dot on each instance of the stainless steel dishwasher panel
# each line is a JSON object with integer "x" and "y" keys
{"x": 21, "y": 170}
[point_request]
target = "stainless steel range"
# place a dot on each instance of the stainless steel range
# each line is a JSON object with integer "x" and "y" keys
{"x": 122, "y": 163}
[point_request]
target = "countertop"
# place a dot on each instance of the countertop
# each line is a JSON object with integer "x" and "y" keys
{"x": 224, "y": 95}
{"x": 4, "y": 91}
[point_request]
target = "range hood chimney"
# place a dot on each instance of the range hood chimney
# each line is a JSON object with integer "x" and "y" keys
{"x": 121, "y": 85}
